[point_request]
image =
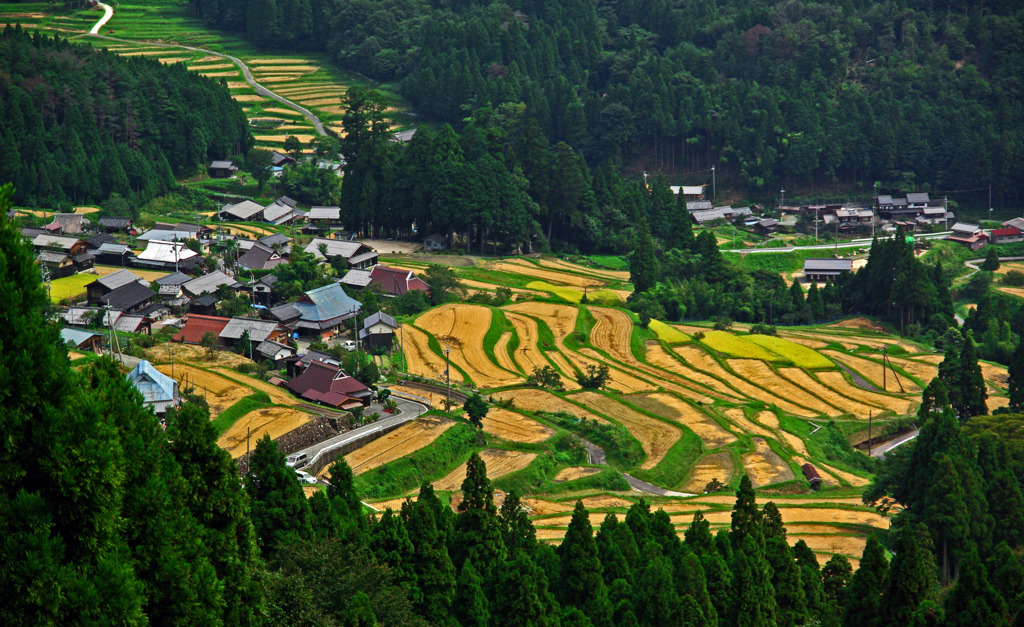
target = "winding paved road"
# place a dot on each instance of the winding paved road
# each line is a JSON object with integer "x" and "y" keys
{"x": 108, "y": 13}
{"x": 856, "y": 243}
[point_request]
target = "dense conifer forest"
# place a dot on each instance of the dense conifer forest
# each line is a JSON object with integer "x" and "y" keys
{"x": 770, "y": 91}
{"x": 78, "y": 124}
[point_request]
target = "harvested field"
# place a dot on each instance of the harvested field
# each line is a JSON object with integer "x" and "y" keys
{"x": 804, "y": 341}
{"x": 510, "y": 425}
{"x": 605, "y": 501}
{"x": 501, "y": 352}
{"x": 421, "y": 360}
{"x": 542, "y": 507}
{"x": 305, "y": 139}
{"x": 704, "y": 362}
{"x": 499, "y": 463}
{"x": 161, "y": 353}
{"x": 849, "y": 477}
{"x": 220, "y": 74}
{"x": 276, "y": 421}
{"x": 843, "y": 403}
{"x": 532, "y": 399}
{"x": 761, "y": 374}
{"x": 278, "y": 396}
{"x": 835, "y": 544}
{"x": 797, "y": 514}
{"x": 200, "y": 66}
{"x": 995, "y": 402}
{"x": 561, "y": 319}
{"x": 618, "y": 379}
{"x": 493, "y": 286}
{"x": 280, "y": 111}
{"x": 462, "y": 328}
{"x": 712, "y": 434}
{"x": 739, "y": 418}
{"x": 995, "y": 374}
{"x": 283, "y": 78}
{"x": 861, "y": 323}
{"x": 395, "y": 505}
{"x": 251, "y": 98}
{"x": 220, "y": 393}
{"x": 238, "y": 85}
{"x": 765, "y": 467}
{"x": 655, "y": 436}
{"x": 770, "y": 420}
{"x": 168, "y": 60}
{"x": 612, "y": 332}
{"x": 575, "y": 472}
{"x": 525, "y": 268}
{"x": 404, "y": 440}
{"x": 835, "y": 380}
{"x": 715, "y": 466}
{"x": 658, "y": 356}
{"x": 284, "y": 67}
{"x": 870, "y": 370}
{"x": 612, "y": 275}
{"x": 528, "y": 355}
{"x": 568, "y": 372}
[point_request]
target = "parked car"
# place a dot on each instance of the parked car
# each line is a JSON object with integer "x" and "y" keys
{"x": 304, "y": 477}
{"x": 348, "y": 345}
{"x": 297, "y": 460}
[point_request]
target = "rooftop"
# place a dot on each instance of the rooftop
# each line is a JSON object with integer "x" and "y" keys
{"x": 208, "y": 283}
{"x": 827, "y": 265}
{"x": 128, "y": 296}
{"x": 259, "y": 330}
{"x": 197, "y": 326}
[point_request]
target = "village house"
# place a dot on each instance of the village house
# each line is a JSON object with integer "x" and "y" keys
{"x": 1006, "y": 235}
{"x": 325, "y": 218}
{"x": 1017, "y": 223}
{"x": 81, "y": 340}
{"x": 435, "y": 242}
{"x": 171, "y": 256}
{"x": 261, "y": 257}
{"x": 114, "y": 225}
{"x": 205, "y": 305}
{"x": 263, "y": 289}
{"x": 197, "y": 326}
{"x": 258, "y": 330}
{"x": 392, "y": 281}
{"x": 329, "y": 385}
{"x": 245, "y": 211}
{"x": 274, "y": 351}
{"x": 318, "y": 313}
{"x": 689, "y": 192}
{"x": 282, "y": 211}
{"x": 67, "y": 224}
{"x": 356, "y": 254}
{"x": 102, "y": 286}
{"x": 969, "y": 235}
{"x": 159, "y": 391}
{"x": 821, "y": 270}
{"x": 208, "y": 284}
{"x": 378, "y": 331}
{"x": 128, "y": 298}
{"x": 222, "y": 169}
{"x": 169, "y": 287}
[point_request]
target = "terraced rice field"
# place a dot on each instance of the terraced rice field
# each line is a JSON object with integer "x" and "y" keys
{"x": 561, "y": 265}
{"x": 422, "y": 361}
{"x": 760, "y": 373}
{"x": 710, "y": 467}
{"x": 462, "y": 329}
{"x": 528, "y": 354}
{"x": 523, "y": 267}
{"x": 499, "y": 463}
{"x": 838, "y": 382}
{"x": 532, "y": 399}
{"x": 656, "y": 436}
{"x": 516, "y": 427}
{"x": 275, "y": 421}
{"x": 404, "y": 440}
{"x": 501, "y": 352}
{"x": 575, "y": 472}
{"x": 712, "y": 434}
{"x": 764, "y": 466}
{"x": 220, "y": 392}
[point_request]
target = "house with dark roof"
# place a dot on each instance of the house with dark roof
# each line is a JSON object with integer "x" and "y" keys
{"x": 821, "y": 270}
{"x": 169, "y": 286}
{"x": 393, "y": 281}
{"x": 57, "y": 264}
{"x": 766, "y": 225}
{"x": 698, "y": 205}
{"x": 274, "y": 351}
{"x": 357, "y": 254}
{"x": 263, "y": 289}
{"x": 261, "y": 257}
{"x": 329, "y": 385}
{"x": 278, "y": 241}
{"x": 107, "y": 284}
{"x": 435, "y": 242}
{"x": 205, "y": 305}
{"x": 115, "y": 224}
{"x": 318, "y": 313}
{"x": 128, "y": 298}
{"x": 114, "y": 254}
{"x": 222, "y": 169}
{"x": 209, "y": 283}
{"x": 280, "y": 159}
{"x": 196, "y": 326}
{"x": 378, "y": 330}
{"x": 159, "y": 391}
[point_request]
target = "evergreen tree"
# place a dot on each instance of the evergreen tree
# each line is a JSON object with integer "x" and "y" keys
{"x": 389, "y": 541}
{"x": 991, "y": 263}
{"x": 810, "y": 579}
{"x": 1006, "y": 572}
{"x": 789, "y": 591}
{"x": 771, "y": 522}
{"x": 835, "y": 575}
{"x": 1015, "y": 384}
{"x": 911, "y": 577}
{"x": 580, "y": 582}
{"x": 516, "y": 528}
{"x": 643, "y": 264}
{"x": 973, "y": 600}
{"x": 753, "y": 603}
{"x": 746, "y": 518}
{"x": 470, "y": 604}
{"x": 691, "y": 584}
{"x": 522, "y": 597}
{"x": 344, "y": 498}
{"x": 359, "y": 612}
{"x": 864, "y": 593}
{"x": 655, "y": 600}
{"x": 477, "y": 533}
{"x": 972, "y": 392}
{"x": 279, "y": 507}
{"x": 435, "y": 574}
{"x": 476, "y": 409}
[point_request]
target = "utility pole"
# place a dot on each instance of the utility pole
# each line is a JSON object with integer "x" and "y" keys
{"x": 884, "y": 388}
{"x": 782, "y": 202}
{"x": 714, "y": 186}
{"x": 990, "y": 201}
{"x": 448, "y": 377}
{"x": 870, "y": 415}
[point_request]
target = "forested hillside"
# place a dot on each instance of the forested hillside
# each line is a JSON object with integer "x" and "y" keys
{"x": 768, "y": 91}
{"x": 77, "y": 124}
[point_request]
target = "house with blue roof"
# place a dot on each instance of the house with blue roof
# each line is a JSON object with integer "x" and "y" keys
{"x": 80, "y": 339}
{"x": 319, "y": 313}
{"x": 158, "y": 390}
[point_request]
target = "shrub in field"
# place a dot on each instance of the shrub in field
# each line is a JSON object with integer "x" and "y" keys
{"x": 1014, "y": 278}
{"x": 621, "y": 448}
{"x": 547, "y": 378}
{"x": 594, "y": 378}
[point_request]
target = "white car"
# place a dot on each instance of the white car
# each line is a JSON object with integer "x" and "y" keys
{"x": 348, "y": 345}
{"x": 304, "y": 477}
{"x": 298, "y": 460}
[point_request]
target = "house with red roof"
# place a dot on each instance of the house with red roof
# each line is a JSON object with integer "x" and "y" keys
{"x": 1007, "y": 235}
{"x": 393, "y": 281}
{"x": 196, "y": 326}
{"x": 329, "y": 385}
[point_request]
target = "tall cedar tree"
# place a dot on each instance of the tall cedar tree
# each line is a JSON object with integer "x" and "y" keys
{"x": 1002, "y": 490}
{"x": 390, "y": 543}
{"x": 643, "y": 264}
{"x": 521, "y": 595}
{"x": 973, "y": 600}
{"x": 810, "y": 578}
{"x": 516, "y": 528}
{"x": 580, "y": 582}
{"x": 1006, "y": 572}
{"x": 279, "y": 507}
{"x": 971, "y": 384}
{"x": 911, "y": 577}
{"x": 470, "y": 606}
{"x": 753, "y": 603}
{"x": 691, "y": 583}
{"x": 655, "y": 599}
{"x": 789, "y": 591}
{"x": 746, "y": 518}
{"x": 477, "y": 534}
{"x": 60, "y": 469}
{"x": 835, "y": 576}
{"x": 864, "y": 593}
{"x": 1015, "y": 385}
{"x": 434, "y": 571}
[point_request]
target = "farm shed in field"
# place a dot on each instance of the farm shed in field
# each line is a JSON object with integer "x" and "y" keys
{"x": 820, "y": 270}
{"x": 222, "y": 169}
{"x": 812, "y": 476}
{"x": 158, "y": 390}
{"x": 81, "y": 340}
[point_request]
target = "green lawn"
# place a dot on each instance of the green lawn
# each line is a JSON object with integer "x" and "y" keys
{"x": 69, "y": 286}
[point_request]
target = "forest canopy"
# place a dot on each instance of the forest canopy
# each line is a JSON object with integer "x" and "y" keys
{"x": 79, "y": 124}
{"x": 768, "y": 91}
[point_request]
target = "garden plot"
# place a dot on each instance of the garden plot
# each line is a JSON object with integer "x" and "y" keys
{"x": 575, "y": 472}
{"x": 525, "y": 268}
{"x": 510, "y": 425}
{"x": 403, "y": 441}
{"x": 656, "y": 436}
{"x": 275, "y": 421}
{"x": 422, "y": 361}
{"x": 761, "y": 374}
{"x": 532, "y": 399}
{"x": 842, "y": 402}
{"x": 764, "y": 466}
{"x": 462, "y": 329}
{"x": 712, "y": 434}
{"x": 715, "y": 466}
{"x": 658, "y": 356}
{"x": 611, "y": 275}
{"x": 700, "y": 360}
{"x": 499, "y": 463}
{"x": 501, "y": 352}
{"x": 219, "y": 392}
{"x": 836, "y": 381}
